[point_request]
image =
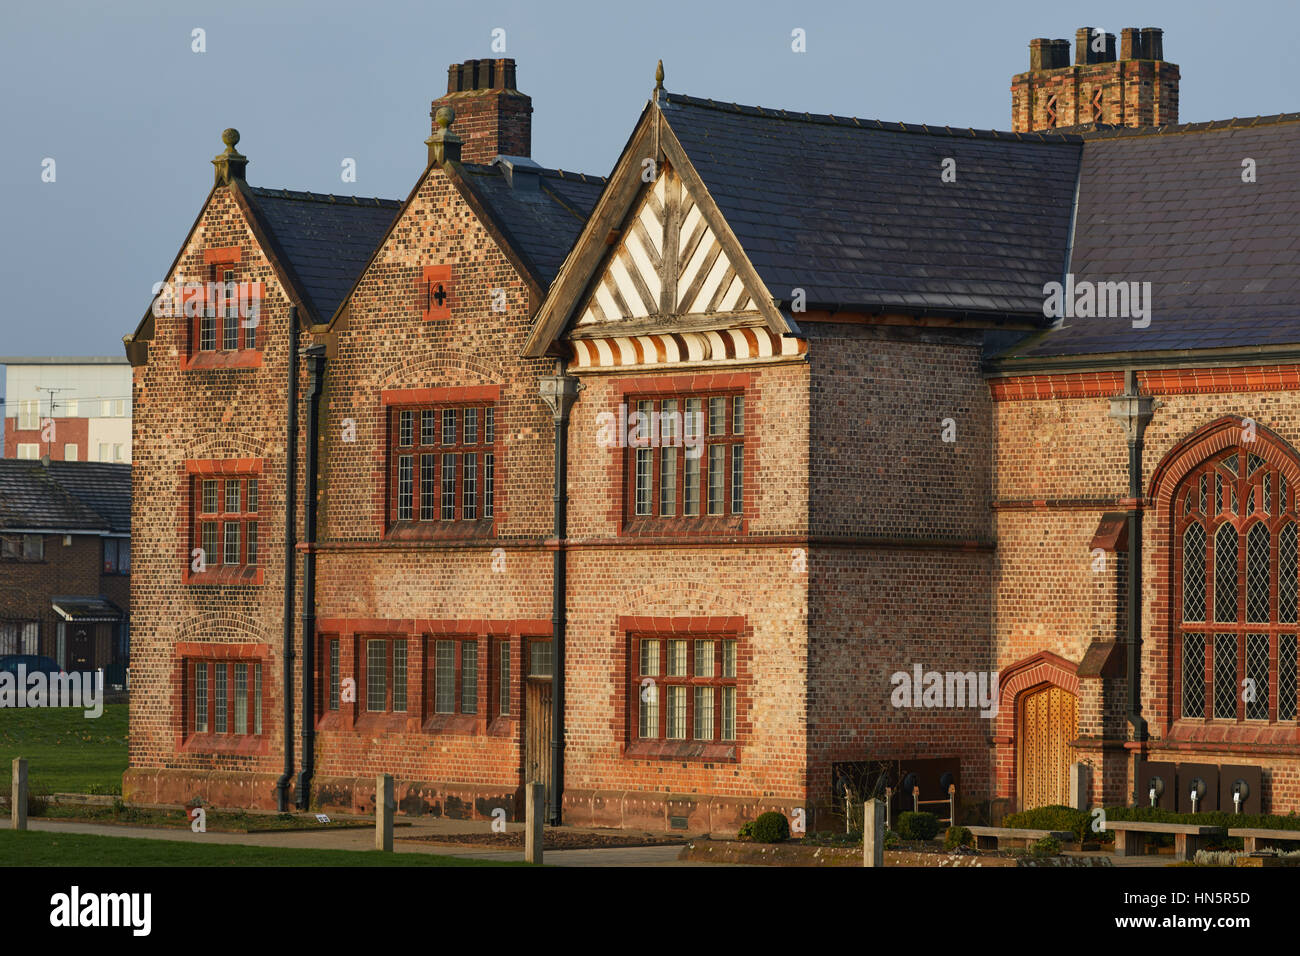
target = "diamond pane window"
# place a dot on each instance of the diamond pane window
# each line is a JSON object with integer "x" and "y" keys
{"x": 1257, "y": 575}
{"x": 1225, "y": 676}
{"x": 1256, "y": 691}
{"x": 1194, "y": 573}
{"x": 1286, "y": 677}
{"x": 1288, "y": 560}
{"x": 1225, "y": 574}
{"x": 1256, "y": 463}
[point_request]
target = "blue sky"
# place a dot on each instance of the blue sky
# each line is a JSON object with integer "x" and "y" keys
{"x": 131, "y": 116}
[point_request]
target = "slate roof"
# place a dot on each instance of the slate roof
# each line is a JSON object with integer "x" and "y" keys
{"x": 855, "y": 213}
{"x": 326, "y": 239}
{"x": 541, "y": 219}
{"x": 1168, "y": 206}
{"x": 67, "y": 495}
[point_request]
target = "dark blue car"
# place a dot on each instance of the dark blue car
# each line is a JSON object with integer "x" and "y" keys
{"x": 34, "y": 663}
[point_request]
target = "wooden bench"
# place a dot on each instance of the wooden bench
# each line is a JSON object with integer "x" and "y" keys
{"x": 989, "y": 838}
{"x": 1250, "y": 836}
{"x": 1131, "y": 836}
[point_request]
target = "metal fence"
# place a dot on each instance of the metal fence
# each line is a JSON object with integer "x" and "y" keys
{"x": 73, "y": 645}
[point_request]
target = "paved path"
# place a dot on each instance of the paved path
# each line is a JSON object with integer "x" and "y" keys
{"x": 364, "y": 839}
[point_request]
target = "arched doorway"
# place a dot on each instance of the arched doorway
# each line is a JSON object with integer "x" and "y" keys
{"x": 1048, "y": 718}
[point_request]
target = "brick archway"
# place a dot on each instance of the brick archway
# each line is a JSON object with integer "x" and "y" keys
{"x": 1014, "y": 682}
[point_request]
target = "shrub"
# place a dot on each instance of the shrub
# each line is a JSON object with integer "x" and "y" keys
{"x": 957, "y": 837}
{"x": 1047, "y": 846}
{"x": 771, "y": 827}
{"x": 1078, "y": 822}
{"x": 746, "y": 831}
{"x": 917, "y": 826}
{"x": 38, "y": 801}
{"x": 891, "y": 839}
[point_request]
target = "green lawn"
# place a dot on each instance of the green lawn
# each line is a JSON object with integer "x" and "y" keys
{"x": 65, "y": 750}
{"x": 43, "y": 848}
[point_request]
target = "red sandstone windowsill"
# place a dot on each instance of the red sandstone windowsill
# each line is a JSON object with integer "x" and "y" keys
{"x": 233, "y": 575}
{"x": 226, "y": 744}
{"x": 439, "y": 530}
{"x": 392, "y": 723}
{"x": 714, "y": 526}
{"x": 683, "y": 750}
{"x": 463, "y": 725}
{"x": 1264, "y": 733}
{"x": 243, "y": 358}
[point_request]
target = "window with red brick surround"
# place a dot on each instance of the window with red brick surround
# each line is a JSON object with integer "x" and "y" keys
{"x": 1237, "y": 557}
{"x": 442, "y": 464}
{"x": 226, "y": 331}
{"x": 223, "y": 532}
{"x": 684, "y": 695}
{"x": 223, "y": 697}
{"x": 383, "y": 687}
{"x": 685, "y": 462}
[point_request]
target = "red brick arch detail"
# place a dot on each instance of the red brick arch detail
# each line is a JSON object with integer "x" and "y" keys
{"x": 1160, "y": 678}
{"x": 1225, "y": 432}
{"x": 1015, "y": 680}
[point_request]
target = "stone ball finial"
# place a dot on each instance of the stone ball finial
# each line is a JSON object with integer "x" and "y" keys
{"x": 230, "y": 137}
{"x": 445, "y": 116}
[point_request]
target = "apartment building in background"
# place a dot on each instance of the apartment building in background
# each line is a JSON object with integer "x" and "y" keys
{"x": 70, "y": 408}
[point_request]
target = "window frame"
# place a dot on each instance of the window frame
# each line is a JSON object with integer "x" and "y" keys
{"x": 724, "y": 647}
{"x": 661, "y": 458}
{"x": 1239, "y": 496}
{"x": 214, "y": 660}
{"x": 416, "y": 495}
{"x": 221, "y": 265}
{"x": 248, "y": 473}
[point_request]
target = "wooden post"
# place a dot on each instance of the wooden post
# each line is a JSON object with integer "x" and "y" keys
{"x": 952, "y": 804}
{"x": 18, "y": 795}
{"x": 916, "y": 799}
{"x": 889, "y": 800}
{"x": 535, "y": 822}
{"x": 873, "y": 832}
{"x": 1079, "y": 780}
{"x": 384, "y": 807}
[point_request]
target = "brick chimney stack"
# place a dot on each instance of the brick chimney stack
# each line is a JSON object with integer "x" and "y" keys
{"x": 492, "y": 117}
{"x": 1137, "y": 88}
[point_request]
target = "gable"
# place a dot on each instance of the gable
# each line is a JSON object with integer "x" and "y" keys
{"x": 669, "y": 262}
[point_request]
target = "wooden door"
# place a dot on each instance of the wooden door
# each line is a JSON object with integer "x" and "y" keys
{"x": 81, "y": 648}
{"x": 537, "y": 735}
{"x": 1047, "y": 725}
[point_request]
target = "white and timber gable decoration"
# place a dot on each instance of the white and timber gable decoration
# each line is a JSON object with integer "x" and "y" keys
{"x": 669, "y": 262}
{"x": 657, "y": 277}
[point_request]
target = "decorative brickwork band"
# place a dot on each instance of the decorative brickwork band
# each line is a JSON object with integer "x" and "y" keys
{"x": 675, "y": 348}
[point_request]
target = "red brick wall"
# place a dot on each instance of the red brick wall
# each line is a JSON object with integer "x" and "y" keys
{"x": 67, "y": 431}
{"x": 369, "y": 585}
{"x": 223, "y": 413}
{"x": 27, "y": 586}
{"x": 1058, "y": 465}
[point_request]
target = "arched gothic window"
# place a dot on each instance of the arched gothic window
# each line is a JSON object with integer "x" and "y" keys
{"x": 1236, "y": 596}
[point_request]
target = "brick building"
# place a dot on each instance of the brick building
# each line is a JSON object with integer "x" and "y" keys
{"x": 65, "y": 563}
{"x": 67, "y": 408}
{"x": 653, "y": 487}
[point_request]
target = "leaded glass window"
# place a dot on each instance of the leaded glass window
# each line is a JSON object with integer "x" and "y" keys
{"x": 1238, "y": 566}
